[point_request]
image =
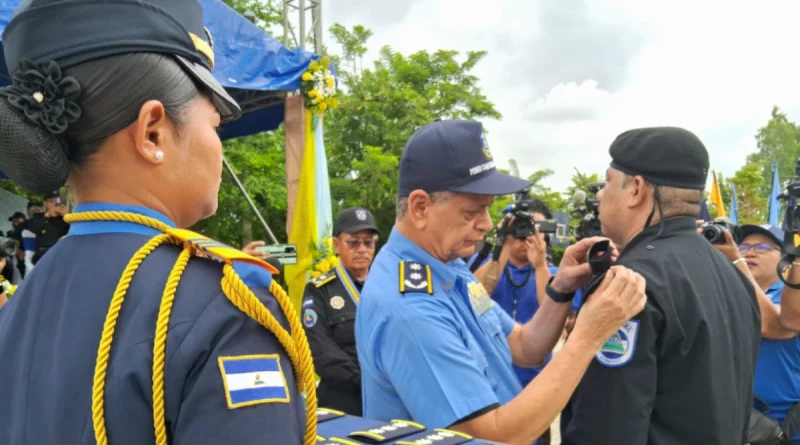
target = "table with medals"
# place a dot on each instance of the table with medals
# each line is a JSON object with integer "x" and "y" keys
{"x": 337, "y": 428}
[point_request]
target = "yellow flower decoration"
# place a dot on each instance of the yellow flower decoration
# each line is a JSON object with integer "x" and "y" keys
{"x": 319, "y": 86}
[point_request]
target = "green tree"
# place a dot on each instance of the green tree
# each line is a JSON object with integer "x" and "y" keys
{"x": 259, "y": 162}
{"x": 381, "y": 107}
{"x": 778, "y": 141}
{"x": 750, "y": 199}
{"x": 354, "y": 46}
{"x": 267, "y": 13}
{"x": 554, "y": 200}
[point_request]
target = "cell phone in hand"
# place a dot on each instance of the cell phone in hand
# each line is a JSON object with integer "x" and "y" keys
{"x": 285, "y": 253}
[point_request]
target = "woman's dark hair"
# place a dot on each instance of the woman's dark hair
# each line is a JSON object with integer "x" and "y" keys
{"x": 113, "y": 90}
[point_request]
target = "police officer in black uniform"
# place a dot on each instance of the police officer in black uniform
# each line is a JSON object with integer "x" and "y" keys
{"x": 680, "y": 372}
{"x": 329, "y": 311}
{"x": 49, "y": 227}
{"x": 132, "y": 330}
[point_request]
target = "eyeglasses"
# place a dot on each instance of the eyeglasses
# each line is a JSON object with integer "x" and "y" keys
{"x": 354, "y": 244}
{"x": 759, "y": 248}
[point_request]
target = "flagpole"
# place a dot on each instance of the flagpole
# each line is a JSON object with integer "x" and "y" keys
{"x": 247, "y": 197}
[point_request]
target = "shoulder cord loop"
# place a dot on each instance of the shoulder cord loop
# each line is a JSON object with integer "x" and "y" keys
{"x": 295, "y": 343}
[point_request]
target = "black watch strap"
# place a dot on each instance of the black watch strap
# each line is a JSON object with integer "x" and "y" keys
{"x": 558, "y": 297}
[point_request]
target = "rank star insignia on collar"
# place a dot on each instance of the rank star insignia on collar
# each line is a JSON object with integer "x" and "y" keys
{"x": 415, "y": 277}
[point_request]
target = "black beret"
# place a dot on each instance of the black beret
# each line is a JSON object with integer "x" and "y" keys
{"x": 668, "y": 156}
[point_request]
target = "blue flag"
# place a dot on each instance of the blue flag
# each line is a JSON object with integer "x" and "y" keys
{"x": 734, "y": 213}
{"x": 704, "y": 214}
{"x": 774, "y": 205}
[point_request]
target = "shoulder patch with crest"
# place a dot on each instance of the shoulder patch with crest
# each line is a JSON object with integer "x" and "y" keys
{"x": 618, "y": 350}
{"x": 415, "y": 277}
{"x": 325, "y": 278}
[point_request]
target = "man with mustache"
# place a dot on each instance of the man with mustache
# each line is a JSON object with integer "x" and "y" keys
{"x": 329, "y": 311}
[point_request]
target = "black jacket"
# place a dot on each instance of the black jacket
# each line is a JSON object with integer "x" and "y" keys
{"x": 329, "y": 314}
{"x": 681, "y": 372}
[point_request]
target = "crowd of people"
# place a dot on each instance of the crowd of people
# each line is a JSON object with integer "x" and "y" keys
{"x": 127, "y": 328}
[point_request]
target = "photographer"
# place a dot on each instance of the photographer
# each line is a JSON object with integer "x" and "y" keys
{"x": 49, "y": 227}
{"x": 516, "y": 280}
{"x": 776, "y": 381}
{"x": 681, "y": 371}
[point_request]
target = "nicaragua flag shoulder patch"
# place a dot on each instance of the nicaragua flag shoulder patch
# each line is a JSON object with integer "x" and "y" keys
{"x": 253, "y": 379}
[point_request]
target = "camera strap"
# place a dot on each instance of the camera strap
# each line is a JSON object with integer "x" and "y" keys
{"x": 507, "y": 273}
{"x": 785, "y": 263}
{"x": 482, "y": 255}
{"x": 791, "y": 245}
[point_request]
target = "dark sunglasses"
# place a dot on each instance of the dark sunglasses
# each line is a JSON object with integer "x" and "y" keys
{"x": 354, "y": 244}
{"x": 759, "y": 248}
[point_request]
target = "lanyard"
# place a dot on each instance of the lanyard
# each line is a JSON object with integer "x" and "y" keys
{"x": 348, "y": 284}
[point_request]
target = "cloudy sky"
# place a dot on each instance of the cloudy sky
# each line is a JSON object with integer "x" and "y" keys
{"x": 569, "y": 75}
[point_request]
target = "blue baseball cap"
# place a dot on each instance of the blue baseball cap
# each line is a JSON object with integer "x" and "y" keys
{"x": 772, "y": 232}
{"x": 453, "y": 156}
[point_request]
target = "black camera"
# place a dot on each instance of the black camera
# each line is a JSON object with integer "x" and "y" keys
{"x": 792, "y": 215}
{"x": 791, "y": 220}
{"x": 522, "y": 210}
{"x": 587, "y": 209}
{"x": 714, "y": 232}
{"x": 8, "y": 247}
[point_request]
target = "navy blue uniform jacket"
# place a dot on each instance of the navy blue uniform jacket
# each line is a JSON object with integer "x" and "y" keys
{"x": 50, "y": 333}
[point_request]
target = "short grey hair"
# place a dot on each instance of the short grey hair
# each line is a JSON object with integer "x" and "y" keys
{"x": 401, "y": 205}
{"x": 674, "y": 201}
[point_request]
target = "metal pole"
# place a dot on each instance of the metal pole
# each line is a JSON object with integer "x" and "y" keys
{"x": 250, "y": 201}
{"x": 286, "y": 22}
{"x": 316, "y": 13}
{"x": 302, "y": 8}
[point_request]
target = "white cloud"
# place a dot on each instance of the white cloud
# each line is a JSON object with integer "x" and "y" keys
{"x": 569, "y": 76}
{"x": 570, "y": 101}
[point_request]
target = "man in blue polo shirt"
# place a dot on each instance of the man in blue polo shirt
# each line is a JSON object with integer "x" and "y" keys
{"x": 777, "y": 378}
{"x": 433, "y": 346}
{"x": 525, "y": 270}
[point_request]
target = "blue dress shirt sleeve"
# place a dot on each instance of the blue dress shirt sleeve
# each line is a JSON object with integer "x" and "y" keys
{"x": 506, "y": 322}
{"x": 439, "y": 379}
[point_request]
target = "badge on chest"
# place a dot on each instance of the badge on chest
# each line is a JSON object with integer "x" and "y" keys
{"x": 479, "y": 298}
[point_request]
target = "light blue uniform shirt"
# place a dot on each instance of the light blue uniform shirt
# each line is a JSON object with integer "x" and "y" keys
{"x": 777, "y": 380}
{"x": 433, "y": 359}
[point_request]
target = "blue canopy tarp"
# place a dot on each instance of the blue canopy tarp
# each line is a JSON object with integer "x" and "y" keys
{"x": 255, "y": 68}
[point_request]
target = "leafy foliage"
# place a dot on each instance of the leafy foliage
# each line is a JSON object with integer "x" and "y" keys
{"x": 382, "y": 107}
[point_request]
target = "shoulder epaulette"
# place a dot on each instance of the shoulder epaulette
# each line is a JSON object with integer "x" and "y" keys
{"x": 415, "y": 277}
{"x": 325, "y": 278}
{"x": 217, "y": 250}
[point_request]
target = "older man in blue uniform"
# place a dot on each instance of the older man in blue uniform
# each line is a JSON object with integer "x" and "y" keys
{"x": 432, "y": 345}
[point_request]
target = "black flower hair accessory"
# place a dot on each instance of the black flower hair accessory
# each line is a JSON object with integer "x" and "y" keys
{"x": 46, "y": 98}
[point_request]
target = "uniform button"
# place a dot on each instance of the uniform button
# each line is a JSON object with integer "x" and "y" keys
{"x": 649, "y": 247}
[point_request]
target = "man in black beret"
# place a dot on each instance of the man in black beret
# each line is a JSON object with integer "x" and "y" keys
{"x": 681, "y": 371}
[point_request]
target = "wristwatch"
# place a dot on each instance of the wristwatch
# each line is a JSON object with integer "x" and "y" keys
{"x": 556, "y": 296}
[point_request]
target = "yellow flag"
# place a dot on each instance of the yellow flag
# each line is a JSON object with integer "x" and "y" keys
{"x": 716, "y": 196}
{"x": 304, "y": 221}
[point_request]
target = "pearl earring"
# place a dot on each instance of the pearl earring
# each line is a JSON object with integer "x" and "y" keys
{"x": 159, "y": 155}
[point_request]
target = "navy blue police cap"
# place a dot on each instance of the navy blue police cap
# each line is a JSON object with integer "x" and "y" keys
{"x": 769, "y": 231}
{"x": 454, "y": 156}
{"x": 71, "y": 32}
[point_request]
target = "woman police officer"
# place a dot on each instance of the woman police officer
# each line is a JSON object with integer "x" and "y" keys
{"x": 122, "y": 334}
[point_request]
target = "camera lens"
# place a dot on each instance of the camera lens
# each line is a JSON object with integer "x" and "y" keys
{"x": 714, "y": 234}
